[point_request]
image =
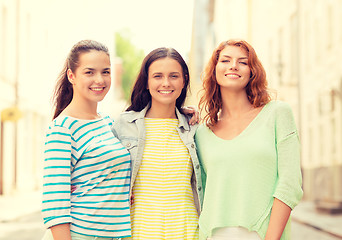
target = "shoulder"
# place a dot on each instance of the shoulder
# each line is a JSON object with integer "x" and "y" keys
{"x": 126, "y": 124}
{"x": 184, "y": 121}
{"x": 202, "y": 136}
{"x": 279, "y": 106}
{"x": 126, "y": 120}
{"x": 194, "y": 127}
{"x": 129, "y": 116}
{"x": 108, "y": 120}
{"x": 285, "y": 121}
{"x": 201, "y": 127}
{"x": 278, "y": 109}
{"x": 283, "y": 110}
{"x": 58, "y": 130}
{"x": 202, "y": 130}
{"x": 61, "y": 123}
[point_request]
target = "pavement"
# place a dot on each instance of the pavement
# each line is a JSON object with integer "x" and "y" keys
{"x": 17, "y": 206}
{"x": 306, "y": 213}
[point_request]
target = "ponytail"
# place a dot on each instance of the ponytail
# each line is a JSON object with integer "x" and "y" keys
{"x": 63, "y": 92}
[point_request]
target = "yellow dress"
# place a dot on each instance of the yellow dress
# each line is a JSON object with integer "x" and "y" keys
{"x": 163, "y": 200}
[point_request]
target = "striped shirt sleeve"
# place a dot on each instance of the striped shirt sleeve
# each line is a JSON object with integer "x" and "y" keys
{"x": 56, "y": 180}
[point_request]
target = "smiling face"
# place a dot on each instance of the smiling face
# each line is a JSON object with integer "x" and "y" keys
{"x": 165, "y": 82}
{"x": 91, "y": 80}
{"x": 232, "y": 70}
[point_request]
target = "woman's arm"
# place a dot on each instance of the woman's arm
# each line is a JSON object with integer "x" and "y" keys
{"x": 288, "y": 191}
{"x": 279, "y": 216}
{"x": 56, "y": 181}
{"x": 61, "y": 232}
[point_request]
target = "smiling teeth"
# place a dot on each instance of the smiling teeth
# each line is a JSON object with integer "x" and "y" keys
{"x": 97, "y": 89}
{"x": 165, "y": 92}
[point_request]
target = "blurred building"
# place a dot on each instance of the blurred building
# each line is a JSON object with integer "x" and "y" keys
{"x": 22, "y": 116}
{"x": 33, "y": 46}
{"x": 299, "y": 44}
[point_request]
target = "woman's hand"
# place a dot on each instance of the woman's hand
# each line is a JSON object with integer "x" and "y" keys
{"x": 192, "y": 111}
{"x": 132, "y": 198}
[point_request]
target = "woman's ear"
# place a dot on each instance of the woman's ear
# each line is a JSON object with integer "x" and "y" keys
{"x": 71, "y": 76}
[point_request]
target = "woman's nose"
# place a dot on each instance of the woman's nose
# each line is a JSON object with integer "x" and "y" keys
{"x": 99, "y": 79}
{"x": 166, "y": 81}
{"x": 233, "y": 65}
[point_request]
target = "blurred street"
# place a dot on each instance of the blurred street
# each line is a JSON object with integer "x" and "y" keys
{"x": 30, "y": 227}
{"x": 20, "y": 219}
{"x": 301, "y": 231}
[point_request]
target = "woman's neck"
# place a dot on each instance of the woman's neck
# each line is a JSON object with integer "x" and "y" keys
{"x": 161, "y": 111}
{"x": 234, "y": 104}
{"x": 81, "y": 110}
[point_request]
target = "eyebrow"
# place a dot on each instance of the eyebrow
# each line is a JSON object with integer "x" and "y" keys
{"x": 241, "y": 58}
{"x": 92, "y": 69}
{"x": 162, "y": 73}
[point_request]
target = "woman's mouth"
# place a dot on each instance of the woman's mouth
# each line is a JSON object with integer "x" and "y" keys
{"x": 97, "y": 89}
{"x": 233, "y": 75}
{"x": 165, "y": 91}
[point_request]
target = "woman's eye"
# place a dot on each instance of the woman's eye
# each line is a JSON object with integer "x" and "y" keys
{"x": 244, "y": 63}
{"x": 89, "y": 72}
{"x": 106, "y": 72}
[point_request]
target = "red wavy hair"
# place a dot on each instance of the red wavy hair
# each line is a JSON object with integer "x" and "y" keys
{"x": 256, "y": 89}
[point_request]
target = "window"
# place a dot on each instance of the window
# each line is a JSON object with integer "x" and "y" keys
{"x": 28, "y": 41}
{"x": 294, "y": 45}
{"x": 329, "y": 26}
{"x": 280, "y": 63}
{"x": 3, "y": 42}
{"x": 333, "y": 135}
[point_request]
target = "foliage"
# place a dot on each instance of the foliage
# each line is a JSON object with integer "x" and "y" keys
{"x": 131, "y": 58}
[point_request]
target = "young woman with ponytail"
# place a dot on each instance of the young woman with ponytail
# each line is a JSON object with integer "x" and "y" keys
{"x": 86, "y": 169}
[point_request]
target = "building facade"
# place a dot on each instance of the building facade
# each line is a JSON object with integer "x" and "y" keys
{"x": 23, "y": 40}
{"x": 34, "y": 41}
{"x": 299, "y": 44}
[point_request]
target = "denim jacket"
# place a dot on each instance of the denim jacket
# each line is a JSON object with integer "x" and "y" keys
{"x": 130, "y": 129}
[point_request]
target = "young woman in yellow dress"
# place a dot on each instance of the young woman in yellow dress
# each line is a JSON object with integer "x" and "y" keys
{"x": 166, "y": 178}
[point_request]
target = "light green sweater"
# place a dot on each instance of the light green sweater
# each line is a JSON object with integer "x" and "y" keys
{"x": 242, "y": 176}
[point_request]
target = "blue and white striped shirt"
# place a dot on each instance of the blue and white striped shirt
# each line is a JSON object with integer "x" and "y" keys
{"x": 85, "y": 154}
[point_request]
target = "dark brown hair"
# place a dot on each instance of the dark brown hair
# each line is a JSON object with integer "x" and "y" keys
{"x": 140, "y": 96}
{"x": 63, "y": 91}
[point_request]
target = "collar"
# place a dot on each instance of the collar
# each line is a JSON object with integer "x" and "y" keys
{"x": 183, "y": 119}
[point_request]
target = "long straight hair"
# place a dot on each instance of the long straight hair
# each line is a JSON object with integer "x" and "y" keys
{"x": 63, "y": 92}
{"x": 140, "y": 96}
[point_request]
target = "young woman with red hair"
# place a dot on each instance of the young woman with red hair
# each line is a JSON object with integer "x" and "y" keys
{"x": 248, "y": 148}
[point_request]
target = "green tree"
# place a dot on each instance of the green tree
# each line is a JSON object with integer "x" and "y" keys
{"x": 131, "y": 58}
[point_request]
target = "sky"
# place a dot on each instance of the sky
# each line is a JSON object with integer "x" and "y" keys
{"x": 156, "y": 23}
{"x": 151, "y": 23}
